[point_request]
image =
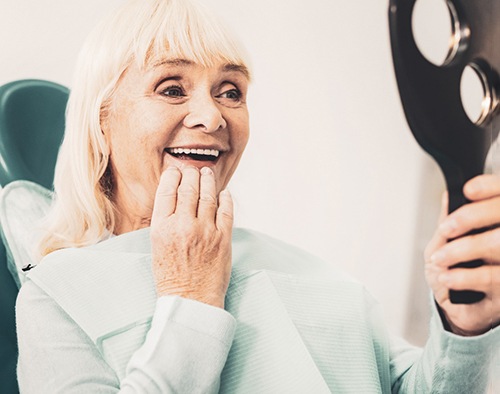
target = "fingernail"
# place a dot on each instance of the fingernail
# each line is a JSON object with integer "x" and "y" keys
{"x": 448, "y": 226}
{"x": 444, "y": 278}
{"x": 444, "y": 198}
{"x": 438, "y": 257}
{"x": 206, "y": 171}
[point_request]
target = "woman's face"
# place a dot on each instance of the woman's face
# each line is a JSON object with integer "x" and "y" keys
{"x": 174, "y": 113}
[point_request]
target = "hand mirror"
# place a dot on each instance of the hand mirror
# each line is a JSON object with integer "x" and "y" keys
{"x": 431, "y": 98}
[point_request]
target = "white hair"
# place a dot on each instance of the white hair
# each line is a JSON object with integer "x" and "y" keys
{"x": 144, "y": 31}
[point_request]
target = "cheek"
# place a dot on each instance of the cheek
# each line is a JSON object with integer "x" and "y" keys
{"x": 138, "y": 134}
{"x": 241, "y": 133}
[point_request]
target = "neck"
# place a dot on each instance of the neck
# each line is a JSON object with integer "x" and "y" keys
{"x": 132, "y": 212}
{"x": 125, "y": 224}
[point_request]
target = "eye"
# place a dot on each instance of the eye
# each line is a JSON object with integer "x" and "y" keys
{"x": 230, "y": 95}
{"x": 173, "y": 91}
{"x": 233, "y": 94}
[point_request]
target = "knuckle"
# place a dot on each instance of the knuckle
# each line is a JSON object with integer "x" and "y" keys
{"x": 228, "y": 215}
{"x": 158, "y": 224}
{"x": 486, "y": 274}
{"x": 461, "y": 217}
{"x": 495, "y": 237}
{"x": 187, "y": 190}
{"x": 460, "y": 277}
{"x": 166, "y": 191}
{"x": 207, "y": 198}
{"x": 495, "y": 274}
{"x": 461, "y": 247}
{"x": 429, "y": 249}
{"x": 492, "y": 247}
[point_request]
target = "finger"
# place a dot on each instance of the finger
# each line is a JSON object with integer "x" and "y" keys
{"x": 444, "y": 207}
{"x": 484, "y": 246}
{"x": 484, "y": 278}
{"x": 437, "y": 239}
{"x": 224, "y": 219}
{"x": 188, "y": 192}
{"x": 166, "y": 193}
{"x": 207, "y": 206}
{"x": 482, "y": 186}
{"x": 476, "y": 215}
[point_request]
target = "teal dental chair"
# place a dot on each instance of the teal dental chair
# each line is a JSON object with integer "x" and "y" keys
{"x": 32, "y": 114}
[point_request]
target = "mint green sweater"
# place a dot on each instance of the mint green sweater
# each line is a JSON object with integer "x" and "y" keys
{"x": 89, "y": 321}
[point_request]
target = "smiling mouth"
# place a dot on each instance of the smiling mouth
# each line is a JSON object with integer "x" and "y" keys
{"x": 194, "y": 154}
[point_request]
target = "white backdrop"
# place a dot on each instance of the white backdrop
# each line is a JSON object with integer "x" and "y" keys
{"x": 331, "y": 165}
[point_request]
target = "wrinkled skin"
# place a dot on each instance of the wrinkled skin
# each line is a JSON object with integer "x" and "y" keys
{"x": 191, "y": 236}
{"x": 178, "y": 104}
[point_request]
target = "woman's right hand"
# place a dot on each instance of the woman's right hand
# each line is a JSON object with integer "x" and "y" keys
{"x": 191, "y": 236}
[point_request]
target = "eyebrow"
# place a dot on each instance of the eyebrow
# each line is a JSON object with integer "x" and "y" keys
{"x": 228, "y": 67}
{"x": 173, "y": 62}
{"x": 238, "y": 68}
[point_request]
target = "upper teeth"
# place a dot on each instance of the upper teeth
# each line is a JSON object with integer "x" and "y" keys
{"x": 187, "y": 151}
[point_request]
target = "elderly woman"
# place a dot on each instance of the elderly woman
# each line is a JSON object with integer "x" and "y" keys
{"x": 146, "y": 288}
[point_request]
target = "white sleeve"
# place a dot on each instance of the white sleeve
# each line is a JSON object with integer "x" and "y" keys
{"x": 184, "y": 352}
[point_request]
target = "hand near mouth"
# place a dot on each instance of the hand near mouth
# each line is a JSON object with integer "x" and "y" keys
{"x": 191, "y": 236}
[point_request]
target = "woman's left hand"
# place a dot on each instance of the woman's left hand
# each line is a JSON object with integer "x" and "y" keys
{"x": 483, "y": 212}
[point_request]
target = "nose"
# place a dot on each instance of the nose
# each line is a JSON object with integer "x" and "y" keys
{"x": 204, "y": 114}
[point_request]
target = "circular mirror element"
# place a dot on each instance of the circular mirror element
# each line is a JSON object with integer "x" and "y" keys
{"x": 436, "y": 30}
{"x": 475, "y": 94}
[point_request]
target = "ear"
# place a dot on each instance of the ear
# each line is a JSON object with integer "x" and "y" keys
{"x": 104, "y": 122}
{"x": 106, "y": 151}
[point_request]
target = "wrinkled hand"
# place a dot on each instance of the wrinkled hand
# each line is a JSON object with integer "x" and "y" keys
{"x": 191, "y": 236}
{"x": 482, "y": 212}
